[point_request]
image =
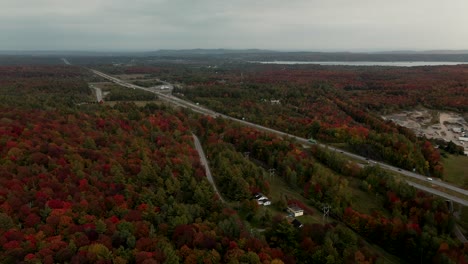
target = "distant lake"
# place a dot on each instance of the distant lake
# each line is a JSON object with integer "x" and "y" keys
{"x": 368, "y": 63}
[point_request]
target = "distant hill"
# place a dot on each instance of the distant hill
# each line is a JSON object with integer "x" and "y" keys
{"x": 440, "y": 52}
{"x": 208, "y": 51}
{"x": 258, "y": 55}
{"x": 271, "y": 55}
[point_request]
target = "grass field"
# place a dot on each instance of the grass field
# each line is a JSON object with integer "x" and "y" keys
{"x": 366, "y": 203}
{"x": 456, "y": 170}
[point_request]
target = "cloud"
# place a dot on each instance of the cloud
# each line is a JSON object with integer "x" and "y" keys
{"x": 274, "y": 24}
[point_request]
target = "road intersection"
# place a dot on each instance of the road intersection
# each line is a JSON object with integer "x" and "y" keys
{"x": 461, "y": 198}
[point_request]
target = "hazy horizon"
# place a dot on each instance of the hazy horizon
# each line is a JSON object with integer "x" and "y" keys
{"x": 298, "y": 25}
{"x": 358, "y": 51}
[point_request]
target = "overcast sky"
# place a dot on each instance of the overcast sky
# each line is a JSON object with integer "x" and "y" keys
{"x": 314, "y": 25}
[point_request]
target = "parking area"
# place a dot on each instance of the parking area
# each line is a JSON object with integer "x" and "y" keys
{"x": 447, "y": 126}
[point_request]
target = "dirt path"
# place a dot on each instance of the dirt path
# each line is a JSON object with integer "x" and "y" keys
{"x": 98, "y": 92}
{"x": 204, "y": 162}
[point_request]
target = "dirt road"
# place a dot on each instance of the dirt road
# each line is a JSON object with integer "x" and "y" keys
{"x": 204, "y": 162}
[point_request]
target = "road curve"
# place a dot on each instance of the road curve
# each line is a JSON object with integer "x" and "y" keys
{"x": 204, "y": 162}
{"x": 304, "y": 141}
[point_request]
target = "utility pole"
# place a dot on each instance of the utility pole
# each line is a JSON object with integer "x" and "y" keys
{"x": 272, "y": 173}
{"x": 326, "y": 212}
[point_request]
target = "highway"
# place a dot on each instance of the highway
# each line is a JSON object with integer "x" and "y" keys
{"x": 438, "y": 193}
{"x": 168, "y": 98}
{"x": 303, "y": 141}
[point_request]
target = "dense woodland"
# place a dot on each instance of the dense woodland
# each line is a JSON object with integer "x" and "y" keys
{"x": 90, "y": 183}
{"x": 415, "y": 222}
{"x": 338, "y": 104}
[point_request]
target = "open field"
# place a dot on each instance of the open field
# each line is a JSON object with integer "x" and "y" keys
{"x": 456, "y": 170}
{"x": 365, "y": 202}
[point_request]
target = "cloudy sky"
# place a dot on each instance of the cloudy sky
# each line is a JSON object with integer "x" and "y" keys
{"x": 314, "y": 25}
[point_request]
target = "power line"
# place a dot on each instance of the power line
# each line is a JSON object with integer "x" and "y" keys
{"x": 272, "y": 173}
{"x": 326, "y": 212}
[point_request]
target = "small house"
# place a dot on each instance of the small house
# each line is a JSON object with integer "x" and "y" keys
{"x": 295, "y": 211}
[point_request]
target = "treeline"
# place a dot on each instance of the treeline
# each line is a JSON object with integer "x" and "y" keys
{"x": 228, "y": 144}
{"x": 101, "y": 188}
{"x": 149, "y": 83}
{"x": 43, "y": 86}
{"x": 95, "y": 184}
{"x": 420, "y": 225}
{"x": 329, "y": 119}
{"x": 414, "y": 220}
{"x": 118, "y": 93}
{"x": 123, "y": 184}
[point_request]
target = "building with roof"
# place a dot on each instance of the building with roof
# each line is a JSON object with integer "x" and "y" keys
{"x": 295, "y": 210}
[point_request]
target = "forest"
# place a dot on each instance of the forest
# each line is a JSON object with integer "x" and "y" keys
{"x": 94, "y": 183}
{"x": 339, "y": 105}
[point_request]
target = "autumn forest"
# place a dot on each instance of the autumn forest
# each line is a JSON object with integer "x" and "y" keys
{"x": 121, "y": 181}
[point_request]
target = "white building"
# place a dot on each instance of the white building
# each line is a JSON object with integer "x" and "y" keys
{"x": 295, "y": 211}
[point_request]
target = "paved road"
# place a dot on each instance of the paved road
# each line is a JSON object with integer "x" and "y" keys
{"x": 98, "y": 93}
{"x": 304, "y": 141}
{"x": 383, "y": 165}
{"x": 438, "y": 193}
{"x": 66, "y": 61}
{"x": 204, "y": 162}
{"x": 458, "y": 233}
{"x": 168, "y": 98}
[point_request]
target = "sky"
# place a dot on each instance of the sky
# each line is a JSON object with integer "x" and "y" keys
{"x": 309, "y": 25}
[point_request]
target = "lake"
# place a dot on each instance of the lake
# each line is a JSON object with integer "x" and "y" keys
{"x": 368, "y": 63}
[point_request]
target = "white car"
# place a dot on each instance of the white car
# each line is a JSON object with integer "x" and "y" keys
{"x": 429, "y": 179}
{"x": 258, "y": 195}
